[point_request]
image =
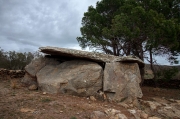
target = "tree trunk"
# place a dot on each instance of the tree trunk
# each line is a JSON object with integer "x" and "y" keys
{"x": 142, "y": 69}
{"x": 152, "y": 68}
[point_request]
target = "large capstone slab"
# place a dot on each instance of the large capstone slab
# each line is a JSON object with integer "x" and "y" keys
{"x": 97, "y": 57}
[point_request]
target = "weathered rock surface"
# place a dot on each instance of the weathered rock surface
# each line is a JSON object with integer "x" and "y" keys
{"x": 121, "y": 81}
{"x": 92, "y": 98}
{"x": 152, "y": 104}
{"x": 164, "y": 108}
{"x": 29, "y": 80}
{"x": 169, "y": 111}
{"x": 37, "y": 64}
{"x": 99, "y": 57}
{"x": 134, "y": 113}
{"x": 76, "y": 77}
{"x": 138, "y": 114}
{"x": 149, "y": 110}
{"x": 143, "y": 115}
{"x": 97, "y": 115}
{"x": 108, "y": 114}
{"x": 154, "y": 117}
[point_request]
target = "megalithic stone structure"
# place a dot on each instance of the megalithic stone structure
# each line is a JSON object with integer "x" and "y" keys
{"x": 82, "y": 73}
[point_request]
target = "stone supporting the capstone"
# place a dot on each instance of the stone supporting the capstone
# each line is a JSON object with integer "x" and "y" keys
{"x": 121, "y": 81}
{"x": 37, "y": 64}
{"x": 76, "y": 77}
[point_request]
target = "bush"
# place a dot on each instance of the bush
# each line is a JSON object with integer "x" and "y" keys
{"x": 16, "y": 60}
{"x": 167, "y": 74}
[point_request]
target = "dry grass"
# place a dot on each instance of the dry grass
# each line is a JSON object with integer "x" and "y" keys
{"x": 14, "y": 84}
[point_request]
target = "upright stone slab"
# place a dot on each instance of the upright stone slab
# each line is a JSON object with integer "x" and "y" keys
{"x": 38, "y": 64}
{"x": 35, "y": 66}
{"x": 121, "y": 81}
{"x": 28, "y": 79}
{"x": 76, "y": 77}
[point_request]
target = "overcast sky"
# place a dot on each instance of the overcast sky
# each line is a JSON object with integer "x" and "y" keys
{"x": 26, "y": 25}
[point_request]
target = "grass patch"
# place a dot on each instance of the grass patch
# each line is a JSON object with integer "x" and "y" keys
{"x": 14, "y": 85}
{"x": 73, "y": 118}
{"x": 46, "y": 100}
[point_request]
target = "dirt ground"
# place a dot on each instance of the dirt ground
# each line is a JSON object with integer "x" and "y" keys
{"x": 17, "y": 102}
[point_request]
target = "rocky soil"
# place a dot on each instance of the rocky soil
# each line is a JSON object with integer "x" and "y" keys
{"x": 18, "y": 102}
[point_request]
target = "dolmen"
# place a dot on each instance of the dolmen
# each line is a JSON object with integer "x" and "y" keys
{"x": 81, "y": 73}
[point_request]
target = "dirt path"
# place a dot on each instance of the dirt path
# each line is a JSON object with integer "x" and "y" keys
{"x": 17, "y": 102}
{"x": 150, "y": 92}
{"x": 20, "y": 103}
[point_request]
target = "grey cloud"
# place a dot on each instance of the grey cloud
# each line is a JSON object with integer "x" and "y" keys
{"x": 28, "y": 24}
{"x": 23, "y": 42}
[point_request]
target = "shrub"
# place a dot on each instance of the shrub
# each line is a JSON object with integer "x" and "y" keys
{"x": 167, "y": 74}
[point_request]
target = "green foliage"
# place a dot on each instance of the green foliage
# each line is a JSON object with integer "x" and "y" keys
{"x": 16, "y": 60}
{"x": 94, "y": 21}
{"x": 132, "y": 27}
{"x": 144, "y": 28}
{"x": 167, "y": 74}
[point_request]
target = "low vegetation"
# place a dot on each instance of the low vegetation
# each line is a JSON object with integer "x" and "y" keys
{"x": 16, "y": 60}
